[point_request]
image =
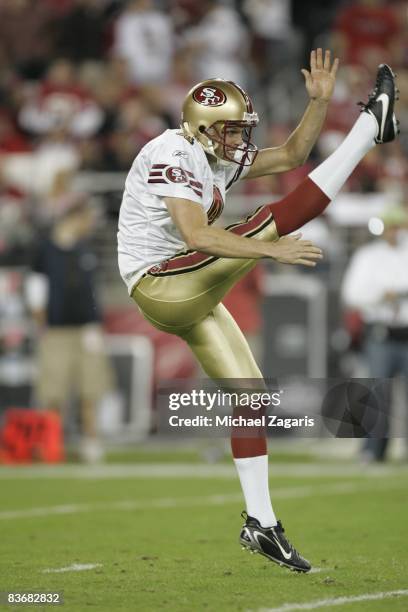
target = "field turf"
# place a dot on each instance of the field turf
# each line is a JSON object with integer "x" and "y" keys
{"x": 154, "y": 537}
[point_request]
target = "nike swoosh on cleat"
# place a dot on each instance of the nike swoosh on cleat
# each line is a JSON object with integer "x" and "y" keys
{"x": 256, "y": 534}
{"x": 385, "y": 102}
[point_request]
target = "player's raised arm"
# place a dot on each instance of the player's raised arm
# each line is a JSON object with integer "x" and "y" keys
{"x": 319, "y": 83}
{"x": 199, "y": 236}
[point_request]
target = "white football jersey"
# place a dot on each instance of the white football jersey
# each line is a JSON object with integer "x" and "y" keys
{"x": 168, "y": 166}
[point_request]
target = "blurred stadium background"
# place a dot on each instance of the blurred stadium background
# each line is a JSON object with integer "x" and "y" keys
{"x": 84, "y": 84}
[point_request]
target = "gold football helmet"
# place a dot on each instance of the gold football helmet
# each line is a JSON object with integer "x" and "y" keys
{"x": 210, "y": 109}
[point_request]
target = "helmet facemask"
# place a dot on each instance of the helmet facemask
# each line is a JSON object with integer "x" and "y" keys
{"x": 243, "y": 154}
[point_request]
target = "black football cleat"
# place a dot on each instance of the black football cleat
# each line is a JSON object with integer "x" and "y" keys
{"x": 271, "y": 543}
{"x": 380, "y": 105}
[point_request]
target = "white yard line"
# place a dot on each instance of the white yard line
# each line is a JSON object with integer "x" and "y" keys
{"x": 336, "y": 601}
{"x": 198, "y": 470}
{"x": 75, "y": 567}
{"x": 46, "y": 511}
{"x": 341, "y": 488}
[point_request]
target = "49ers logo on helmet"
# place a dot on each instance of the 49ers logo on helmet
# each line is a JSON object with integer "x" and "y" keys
{"x": 176, "y": 175}
{"x": 209, "y": 96}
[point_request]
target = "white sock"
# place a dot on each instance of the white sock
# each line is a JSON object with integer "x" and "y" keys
{"x": 253, "y": 474}
{"x": 331, "y": 175}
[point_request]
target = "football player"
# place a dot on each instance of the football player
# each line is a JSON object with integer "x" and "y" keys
{"x": 178, "y": 266}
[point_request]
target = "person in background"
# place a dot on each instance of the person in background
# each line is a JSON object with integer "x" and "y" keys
{"x": 61, "y": 295}
{"x": 376, "y": 284}
{"x": 218, "y": 43}
{"x": 144, "y": 37}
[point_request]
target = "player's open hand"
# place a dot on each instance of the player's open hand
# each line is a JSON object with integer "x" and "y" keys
{"x": 293, "y": 250}
{"x": 322, "y": 76}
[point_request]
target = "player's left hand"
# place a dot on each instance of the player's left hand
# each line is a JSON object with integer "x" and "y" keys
{"x": 322, "y": 76}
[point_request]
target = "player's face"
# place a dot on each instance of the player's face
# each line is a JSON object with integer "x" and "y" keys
{"x": 232, "y": 136}
{"x": 231, "y": 142}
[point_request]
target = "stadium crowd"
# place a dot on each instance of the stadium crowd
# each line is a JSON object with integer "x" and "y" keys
{"x": 86, "y": 83}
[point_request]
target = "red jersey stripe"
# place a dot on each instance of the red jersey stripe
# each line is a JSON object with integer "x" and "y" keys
{"x": 196, "y": 184}
{"x": 196, "y": 191}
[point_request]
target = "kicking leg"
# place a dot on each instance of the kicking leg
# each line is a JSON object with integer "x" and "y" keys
{"x": 376, "y": 124}
{"x": 316, "y": 191}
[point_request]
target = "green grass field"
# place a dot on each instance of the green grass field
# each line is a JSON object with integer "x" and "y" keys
{"x": 164, "y": 537}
